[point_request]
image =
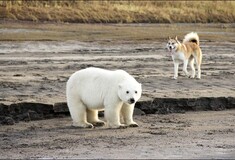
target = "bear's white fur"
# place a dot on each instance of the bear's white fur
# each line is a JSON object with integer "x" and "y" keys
{"x": 93, "y": 89}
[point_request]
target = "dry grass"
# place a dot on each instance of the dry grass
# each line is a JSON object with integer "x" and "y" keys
{"x": 119, "y": 11}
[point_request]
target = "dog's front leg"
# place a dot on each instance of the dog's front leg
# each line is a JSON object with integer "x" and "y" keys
{"x": 185, "y": 68}
{"x": 176, "y": 67}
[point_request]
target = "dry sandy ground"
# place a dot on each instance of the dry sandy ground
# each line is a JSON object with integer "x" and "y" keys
{"x": 37, "y": 59}
{"x": 37, "y": 70}
{"x": 192, "y": 135}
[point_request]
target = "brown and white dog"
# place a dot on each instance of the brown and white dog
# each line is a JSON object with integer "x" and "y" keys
{"x": 186, "y": 52}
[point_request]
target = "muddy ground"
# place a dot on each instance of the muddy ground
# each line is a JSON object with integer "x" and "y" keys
{"x": 37, "y": 59}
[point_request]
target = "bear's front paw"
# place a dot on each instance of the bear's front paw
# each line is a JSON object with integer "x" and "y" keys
{"x": 84, "y": 125}
{"x": 133, "y": 125}
{"x": 122, "y": 126}
{"x": 98, "y": 124}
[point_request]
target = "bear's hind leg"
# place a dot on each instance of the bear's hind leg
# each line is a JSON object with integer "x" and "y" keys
{"x": 127, "y": 113}
{"x": 92, "y": 117}
{"x": 78, "y": 113}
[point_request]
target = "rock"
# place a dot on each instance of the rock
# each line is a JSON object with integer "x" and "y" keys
{"x": 147, "y": 107}
{"x": 231, "y": 102}
{"x": 21, "y": 108}
{"x": 29, "y": 116}
{"x": 61, "y": 107}
{"x": 218, "y": 104}
{"x": 6, "y": 120}
{"x": 11, "y": 114}
{"x": 101, "y": 113}
{"x": 4, "y": 111}
{"x": 138, "y": 111}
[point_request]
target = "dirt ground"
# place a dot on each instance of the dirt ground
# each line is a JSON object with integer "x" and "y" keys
{"x": 192, "y": 135}
{"x": 37, "y": 59}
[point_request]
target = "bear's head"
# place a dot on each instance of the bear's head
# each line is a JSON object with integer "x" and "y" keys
{"x": 129, "y": 92}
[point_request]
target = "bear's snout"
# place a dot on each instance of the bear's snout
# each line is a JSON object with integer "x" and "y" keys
{"x": 131, "y": 100}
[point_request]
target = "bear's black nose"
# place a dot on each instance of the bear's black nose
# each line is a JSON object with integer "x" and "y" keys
{"x": 132, "y": 100}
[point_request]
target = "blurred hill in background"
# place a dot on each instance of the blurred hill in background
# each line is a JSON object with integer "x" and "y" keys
{"x": 105, "y": 11}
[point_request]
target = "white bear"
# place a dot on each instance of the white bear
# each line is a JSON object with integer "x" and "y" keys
{"x": 93, "y": 89}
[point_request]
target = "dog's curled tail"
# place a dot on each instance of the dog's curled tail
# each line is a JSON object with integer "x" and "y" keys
{"x": 191, "y": 37}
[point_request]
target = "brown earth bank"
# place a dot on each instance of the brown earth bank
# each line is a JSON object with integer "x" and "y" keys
{"x": 26, "y": 111}
{"x": 37, "y": 59}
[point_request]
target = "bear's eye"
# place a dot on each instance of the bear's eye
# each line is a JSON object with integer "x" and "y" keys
{"x": 135, "y": 92}
{"x": 127, "y": 92}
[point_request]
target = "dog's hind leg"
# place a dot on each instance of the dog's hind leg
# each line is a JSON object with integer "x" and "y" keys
{"x": 198, "y": 63}
{"x": 191, "y": 64}
{"x": 176, "y": 67}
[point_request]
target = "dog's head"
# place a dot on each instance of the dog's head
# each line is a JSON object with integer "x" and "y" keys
{"x": 172, "y": 44}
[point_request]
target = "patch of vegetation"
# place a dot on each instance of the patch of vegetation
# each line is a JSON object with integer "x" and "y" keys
{"x": 86, "y": 11}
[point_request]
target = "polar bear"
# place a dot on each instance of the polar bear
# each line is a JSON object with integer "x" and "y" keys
{"x": 94, "y": 89}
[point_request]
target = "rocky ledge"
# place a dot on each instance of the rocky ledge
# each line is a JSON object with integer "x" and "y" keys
{"x": 26, "y": 111}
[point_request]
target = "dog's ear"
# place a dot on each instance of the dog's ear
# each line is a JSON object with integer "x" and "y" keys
{"x": 176, "y": 38}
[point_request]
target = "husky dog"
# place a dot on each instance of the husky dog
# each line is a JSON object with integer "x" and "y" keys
{"x": 186, "y": 52}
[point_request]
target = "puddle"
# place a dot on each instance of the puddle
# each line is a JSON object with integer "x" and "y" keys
{"x": 69, "y": 46}
{"x": 45, "y": 47}
{"x": 21, "y": 30}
